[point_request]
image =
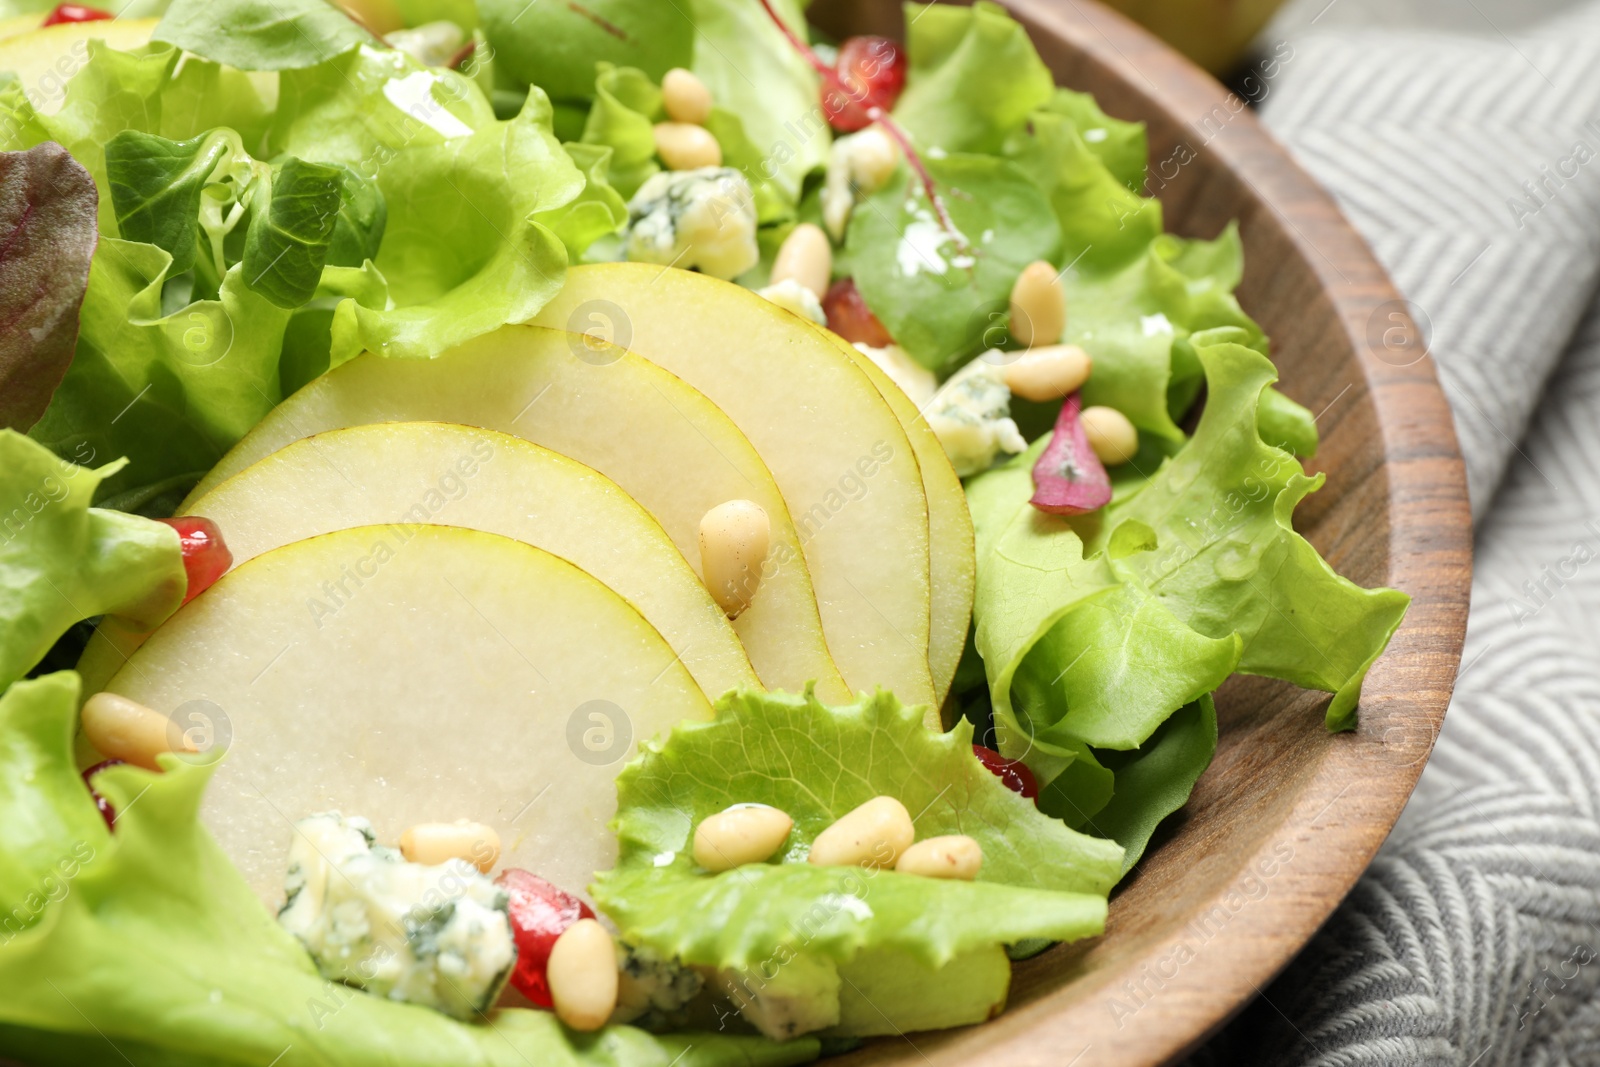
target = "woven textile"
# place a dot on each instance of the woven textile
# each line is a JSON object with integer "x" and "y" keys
{"x": 1472, "y": 165}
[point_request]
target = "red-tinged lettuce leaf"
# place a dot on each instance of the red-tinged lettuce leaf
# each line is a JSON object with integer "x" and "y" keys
{"x": 1069, "y": 478}
{"x": 47, "y": 239}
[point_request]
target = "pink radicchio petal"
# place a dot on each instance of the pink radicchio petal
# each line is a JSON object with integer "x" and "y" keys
{"x": 1068, "y": 478}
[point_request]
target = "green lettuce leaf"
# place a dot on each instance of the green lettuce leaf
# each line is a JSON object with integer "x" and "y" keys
{"x": 170, "y": 391}
{"x": 366, "y": 106}
{"x": 1226, "y": 558}
{"x": 757, "y": 76}
{"x": 150, "y": 940}
{"x": 47, "y": 212}
{"x": 479, "y": 243}
{"x": 626, "y": 106}
{"x": 1156, "y": 780}
{"x": 261, "y": 34}
{"x": 287, "y": 243}
{"x": 1039, "y": 879}
{"x": 1136, "y": 321}
{"x": 557, "y": 46}
{"x": 939, "y": 293}
{"x": 974, "y": 77}
{"x": 1121, "y": 146}
{"x": 62, "y": 560}
{"x": 1077, "y": 654}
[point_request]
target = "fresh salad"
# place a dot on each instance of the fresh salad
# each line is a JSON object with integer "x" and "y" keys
{"x": 602, "y": 532}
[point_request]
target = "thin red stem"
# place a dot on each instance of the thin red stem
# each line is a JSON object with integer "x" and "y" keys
{"x": 892, "y": 128}
{"x": 800, "y": 46}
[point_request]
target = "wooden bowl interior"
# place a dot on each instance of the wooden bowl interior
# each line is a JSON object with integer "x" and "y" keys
{"x": 1288, "y": 815}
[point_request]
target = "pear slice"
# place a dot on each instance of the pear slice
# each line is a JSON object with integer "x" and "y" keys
{"x": 838, "y": 453}
{"x": 45, "y": 58}
{"x": 952, "y": 559}
{"x": 450, "y": 674}
{"x": 460, "y": 476}
{"x": 664, "y": 443}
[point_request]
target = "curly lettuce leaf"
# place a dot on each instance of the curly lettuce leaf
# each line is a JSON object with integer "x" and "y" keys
{"x": 939, "y": 293}
{"x": 1156, "y": 780}
{"x": 626, "y": 107}
{"x": 62, "y": 561}
{"x": 47, "y": 218}
{"x": 1039, "y": 879}
{"x": 1135, "y": 322}
{"x": 1122, "y": 146}
{"x": 973, "y": 77}
{"x": 150, "y": 939}
{"x": 479, "y": 244}
{"x": 365, "y": 107}
{"x": 1226, "y": 559}
{"x": 261, "y": 34}
{"x": 1077, "y": 654}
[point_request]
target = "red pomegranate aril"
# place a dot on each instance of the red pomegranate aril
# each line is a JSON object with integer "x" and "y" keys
{"x": 850, "y": 318}
{"x": 1013, "y": 773}
{"x": 101, "y": 803}
{"x": 869, "y": 76}
{"x": 539, "y": 913}
{"x": 75, "y": 13}
{"x": 205, "y": 555}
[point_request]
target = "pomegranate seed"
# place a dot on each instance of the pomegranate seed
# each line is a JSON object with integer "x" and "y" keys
{"x": 1013, "y": 773}
{"x": 75, "y": 13}
{"x": 101, "y": 802}
{"x": 850, "y": 318}
{"x": 205, "y": 555}
{"x": 539, "y": 913}
{"x": 868, "y": 79}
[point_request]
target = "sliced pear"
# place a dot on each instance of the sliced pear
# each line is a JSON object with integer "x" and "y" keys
{"x": 952, "y": 560}
{"x": 414, "y": 674}
{"x": 45, "y": 58}
{"x": 460, "y": 476}
{"x": 664, "y": 443}
{"x": 844, "y": 464}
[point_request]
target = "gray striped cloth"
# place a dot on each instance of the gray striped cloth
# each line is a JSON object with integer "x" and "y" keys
{"x": 1470, "y": 159}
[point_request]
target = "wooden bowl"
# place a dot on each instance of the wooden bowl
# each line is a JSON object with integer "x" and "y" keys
{"x": 1288, "y": 816}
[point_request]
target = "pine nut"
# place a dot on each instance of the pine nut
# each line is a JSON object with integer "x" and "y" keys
{"x": 1047, "y": 373}
{"x": 1113, "y": 438}
{"x": 685, "y": 97}
{"x": 582, "y": 972}
{"x": 734, "y": 538}
{"x": 432, "y": 843}
{"x": 683, "y": 146}
{"x": 748, "y": 833}
{"x": 805, "y": 256}
{"x": 873, "y": 157}
{"x": 954, "y": 856}
{"x": 125, "y": 729}
{"x": 872, "y": 835}
{"x": 1038, "y": 306}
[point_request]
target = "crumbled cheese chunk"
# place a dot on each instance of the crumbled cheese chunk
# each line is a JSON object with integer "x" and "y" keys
{"x": 792, "y": 296}
{"x": 912, "y": 377}
{"x": 703, "y": 218}
{"x": 971, "y": 415}
{"x": 859, "y": 164}
{"x": 438, "y": 936}
{"x": 652, "y": 992}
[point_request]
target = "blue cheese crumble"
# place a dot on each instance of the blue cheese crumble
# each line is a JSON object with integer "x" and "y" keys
{"x": 437, "y": 936}
{"x": 971, "y": 415}
{"x": 704, "y": 219}
{"x": 795, "y": 298}
{"x": 653, "y": 993}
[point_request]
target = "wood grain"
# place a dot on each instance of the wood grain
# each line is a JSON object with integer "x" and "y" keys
{"x": 1288, "y": 816}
